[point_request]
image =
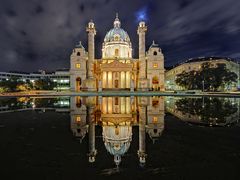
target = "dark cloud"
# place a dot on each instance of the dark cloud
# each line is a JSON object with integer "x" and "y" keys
{"x": 39, "y": 9}
{"x": 107, "y": 1}
{"x": 30, "y": 55}
{"x": 81, "y": 8}
{"x": 40, "y": 35}
{"x": 184, "y": 3}
{"x": 23, "y": 33}
{"x": 11, "y": 13}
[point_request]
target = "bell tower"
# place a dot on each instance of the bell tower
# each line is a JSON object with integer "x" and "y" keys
{"x": 155, "y": 68}
{"x": 78, "y": 64}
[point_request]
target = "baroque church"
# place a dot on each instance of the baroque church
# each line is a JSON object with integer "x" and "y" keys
{"x": 117, "y": 69}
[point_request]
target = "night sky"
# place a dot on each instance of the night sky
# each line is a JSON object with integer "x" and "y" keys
{"x": 40, "y": 34}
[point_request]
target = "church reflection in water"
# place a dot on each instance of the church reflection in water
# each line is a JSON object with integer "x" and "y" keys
{"x": 117, "y": 116}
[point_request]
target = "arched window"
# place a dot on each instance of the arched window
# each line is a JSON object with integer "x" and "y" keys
{"x": 78, "y": 119}
{"x": 155, "y": 53}
{"x": 116, "y": 38}
{"x": 116, "y": 52}
{"x": 78, "y": 54}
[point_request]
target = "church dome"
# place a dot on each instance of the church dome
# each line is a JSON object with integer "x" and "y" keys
{"x": 117, "y": 33}
{"x": 117, "y": 42}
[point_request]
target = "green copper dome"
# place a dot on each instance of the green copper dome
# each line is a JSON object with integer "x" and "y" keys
{"x": 117, "y": 33}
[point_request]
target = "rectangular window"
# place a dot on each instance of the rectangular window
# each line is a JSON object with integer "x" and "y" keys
{"x": 155, "y": 65}
{"x": 78, "y": 65}
{"x": 78, "y": 118}
{"x": 155, "y": 119}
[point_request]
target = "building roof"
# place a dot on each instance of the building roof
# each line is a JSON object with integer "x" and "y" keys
{"x": 79, "y": 45}
{"x": 199, "y": 59}
{"x": 116, "y": 30}
{"x": 154, "y": 45}
{"x": 202, "y": 59}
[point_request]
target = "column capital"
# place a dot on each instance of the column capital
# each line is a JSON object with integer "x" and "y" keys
{"x": 142, "y": 28}
{"x": 91, "y": 28}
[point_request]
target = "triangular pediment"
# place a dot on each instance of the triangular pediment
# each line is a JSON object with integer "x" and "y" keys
{"x": 116, "y": 65}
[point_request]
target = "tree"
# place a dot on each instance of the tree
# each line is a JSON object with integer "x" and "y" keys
{"x": 209, "y": 109}
{"x": 22, "y": 87}
{"x": 10, "y": 85}
{"x": 229, "y": 78}
{"x": 44, "y": 84}
{"x": 213, "y": 77}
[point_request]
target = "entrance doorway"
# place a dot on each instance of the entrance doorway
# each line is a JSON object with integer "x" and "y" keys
{"x": 116, "y": 83}
{"x": 155, "y": 83}
{"x": 78, "y": 84}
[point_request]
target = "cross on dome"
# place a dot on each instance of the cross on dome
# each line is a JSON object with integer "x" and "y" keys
{"x": 117, "y": 23}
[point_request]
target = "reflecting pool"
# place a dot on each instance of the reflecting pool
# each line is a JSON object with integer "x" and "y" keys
{"x": 120, "y": 137}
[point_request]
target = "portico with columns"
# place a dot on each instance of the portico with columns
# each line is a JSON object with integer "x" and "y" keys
{"x": 116, "y": 75}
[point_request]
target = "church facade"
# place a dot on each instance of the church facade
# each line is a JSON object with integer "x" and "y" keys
{"x": 117, "y": 69}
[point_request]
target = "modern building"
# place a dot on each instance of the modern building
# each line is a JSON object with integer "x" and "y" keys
{"x": 61, "y": 77}
{"x": 117, "y": 69}
{"x": 195, "y": 64}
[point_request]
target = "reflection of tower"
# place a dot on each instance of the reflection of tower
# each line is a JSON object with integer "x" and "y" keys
{"x": 92, "y": 150}
{"x": 78, "y": 114}
{"x": 155, "y": 121}
{"x": 142, "y": 135}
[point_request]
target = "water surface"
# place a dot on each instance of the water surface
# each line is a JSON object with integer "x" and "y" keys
{"x": 119, "y": 137}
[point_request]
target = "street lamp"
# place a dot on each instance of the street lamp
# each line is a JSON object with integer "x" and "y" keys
{"x": 238, "y": 84}
{"x": 202, "y": 85}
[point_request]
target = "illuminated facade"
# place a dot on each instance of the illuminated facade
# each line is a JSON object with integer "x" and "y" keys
{"x": 117, "y": 69}
{"x": 117, "y": 116}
